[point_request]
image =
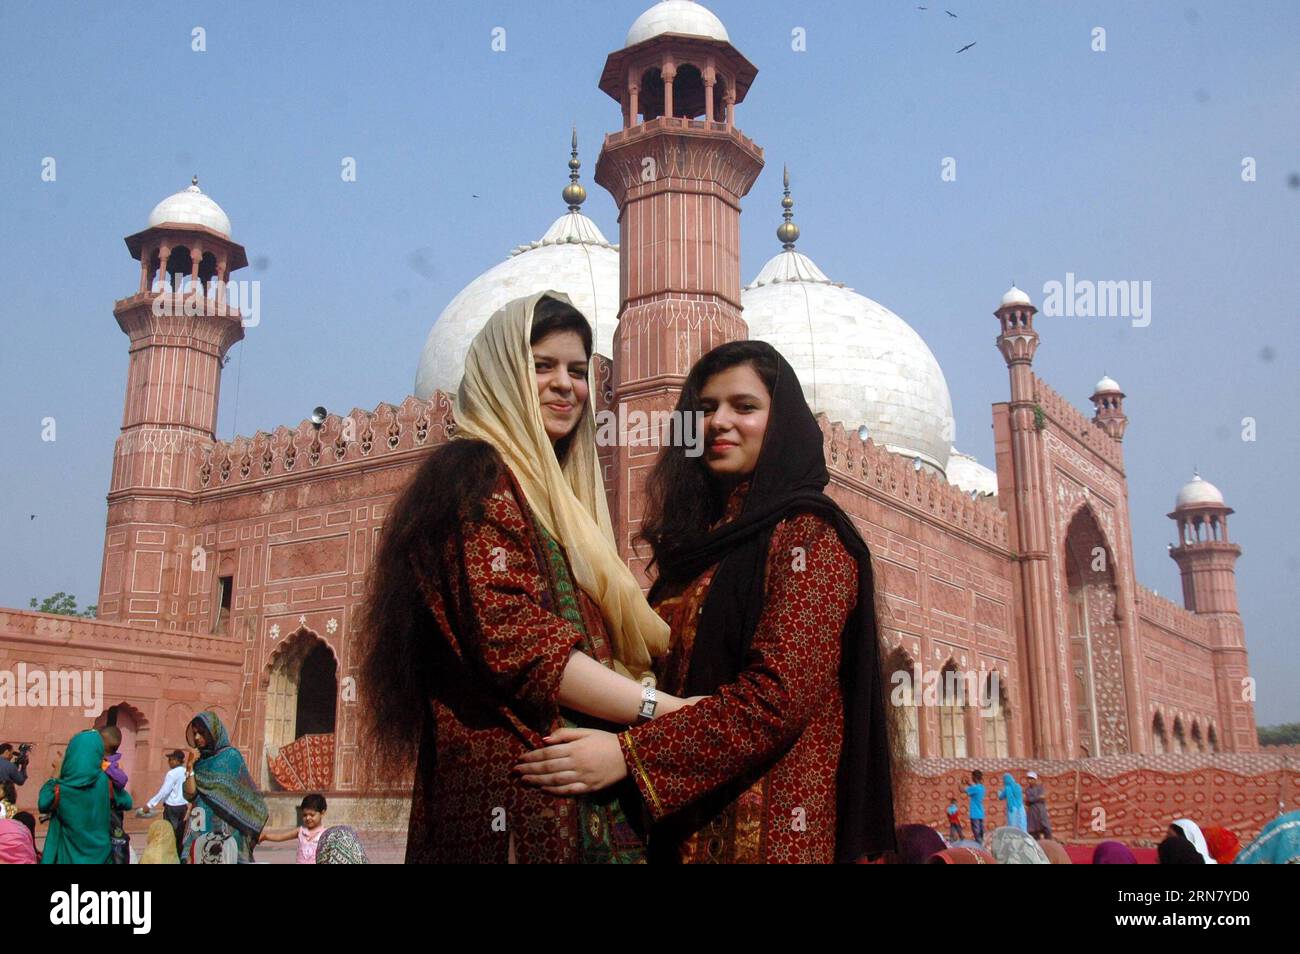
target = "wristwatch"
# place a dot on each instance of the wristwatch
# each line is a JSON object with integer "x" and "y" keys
{"x": 649, "y": 700}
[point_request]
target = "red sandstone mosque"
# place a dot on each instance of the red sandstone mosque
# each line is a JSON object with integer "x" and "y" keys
{"x": 233, "y": 570}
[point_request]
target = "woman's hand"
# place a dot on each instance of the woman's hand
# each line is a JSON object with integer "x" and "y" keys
{"x": 574, "y": 762}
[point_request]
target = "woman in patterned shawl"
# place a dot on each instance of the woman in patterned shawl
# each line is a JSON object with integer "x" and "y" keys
{"x": 341, "y": 845}
{"x": 500, "y": 611}
{"x": 229, "y": 812}
{"x": 1013, "y": 846}
{"x": 1278, "y": 843}
{"x": 768, "y": 586}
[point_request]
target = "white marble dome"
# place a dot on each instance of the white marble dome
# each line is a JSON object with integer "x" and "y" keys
{"x": 857, "y": 361}
{"x": 572, "y": 257}
{"x": 965, "y": 472}
{"x": 1198, "y": 491}
{"x": 676, "y": 16}
{"x": 1106, "y": 384}
{"x": 191, "y": 207}
{"x": 1015, "y": 296}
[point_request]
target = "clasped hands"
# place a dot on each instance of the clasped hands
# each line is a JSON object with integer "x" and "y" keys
{"x": 577, "y": 761}
{"x": 574, "y": 762}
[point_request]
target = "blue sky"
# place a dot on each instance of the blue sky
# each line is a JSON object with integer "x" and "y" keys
{"x": 1116, "y": 165}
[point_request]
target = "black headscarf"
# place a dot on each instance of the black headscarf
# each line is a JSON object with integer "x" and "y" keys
{"x": 788, "y": 480}
{"x": 1177, "y": 850}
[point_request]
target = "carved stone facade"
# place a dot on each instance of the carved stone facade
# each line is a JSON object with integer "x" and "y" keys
{"x": 227, "y": 564}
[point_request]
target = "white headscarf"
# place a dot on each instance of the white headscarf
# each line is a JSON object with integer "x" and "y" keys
{"x": 1192, "y": 832}
{"x": 497, "y": 402}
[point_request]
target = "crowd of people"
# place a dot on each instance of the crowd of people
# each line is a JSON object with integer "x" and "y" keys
{"x": 1185, "y": 843}
{"x": 551, "y": 711}
{"x": 1026, "y": 838}
{"x": 213, "y": 810}
{"x": 1026, "y": 807}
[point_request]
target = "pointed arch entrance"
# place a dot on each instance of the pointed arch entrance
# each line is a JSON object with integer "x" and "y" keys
{"x": 903, "y": 691}
{"x": 301, "y": 685}
{"x": 1097, "y": 688}
{"x": 133, "y": 725}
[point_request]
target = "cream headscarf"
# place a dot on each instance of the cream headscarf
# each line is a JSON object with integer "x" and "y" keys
{"x": 161, "y": 849}
{"x": 497, "y": 402}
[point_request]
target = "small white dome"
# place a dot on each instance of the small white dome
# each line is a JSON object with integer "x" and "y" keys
{"x": 1106, "y": 383}
{"x": 676, "y": 16}
{"x": 857, "y": 361}
{"x": 1015, "y": 296}
{"x": 1198, "y": 491}
{"x": 191, "y": 207}
{"x": 966, "y": 472}
{"x": 572, "y": 257}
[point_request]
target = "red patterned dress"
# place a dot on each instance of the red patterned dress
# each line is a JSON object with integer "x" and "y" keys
{"x": 771, "y": 740}
{"x": 510, "y": 614}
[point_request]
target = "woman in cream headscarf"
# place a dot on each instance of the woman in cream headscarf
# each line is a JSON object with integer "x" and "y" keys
{"x": 499, "y": 607}
{"x": 161, "y": 846}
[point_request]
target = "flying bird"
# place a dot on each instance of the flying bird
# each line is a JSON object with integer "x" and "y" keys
{"x": 967, "y": 47}
{"x": 951, "y": 14}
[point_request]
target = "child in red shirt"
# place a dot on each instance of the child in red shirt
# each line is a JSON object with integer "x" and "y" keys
{"x": 954, "y": 820}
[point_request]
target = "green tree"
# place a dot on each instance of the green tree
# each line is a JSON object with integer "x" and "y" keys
{"x": 1286, "y": 734}
{"x": 62, "y": 604}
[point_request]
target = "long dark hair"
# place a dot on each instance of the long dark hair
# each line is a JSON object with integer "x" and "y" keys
{"x": 682, "y": 497}
{"x": 402, "y": 660}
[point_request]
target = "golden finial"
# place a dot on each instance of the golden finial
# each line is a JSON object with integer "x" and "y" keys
{"x": 574, "y": 194}
{"x": 787, "y": 231}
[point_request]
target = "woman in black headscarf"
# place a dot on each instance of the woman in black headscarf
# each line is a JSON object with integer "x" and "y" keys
{"x": 1177, "y": 850}
{"x": 769, "y": 590}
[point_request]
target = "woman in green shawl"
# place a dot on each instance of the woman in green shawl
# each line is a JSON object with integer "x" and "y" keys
{"x": 79, "y": 801}
{"x": 229, "y": 812}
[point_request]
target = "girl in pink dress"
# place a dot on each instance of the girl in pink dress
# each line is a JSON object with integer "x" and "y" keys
{"x": 308, "y": 833}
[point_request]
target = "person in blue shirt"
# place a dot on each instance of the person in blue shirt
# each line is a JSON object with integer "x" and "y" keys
{"x": 976, "y": 792}
{"x": 1014, "y": 796}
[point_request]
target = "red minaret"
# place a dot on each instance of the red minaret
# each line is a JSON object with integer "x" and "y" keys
{"x": 1108, "y": 399}
{"x": 1207, "y": 560}
{"x": 1018, "y": 341}
{"x": 677, "y": 171}
{"x": 180, "y": 325}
